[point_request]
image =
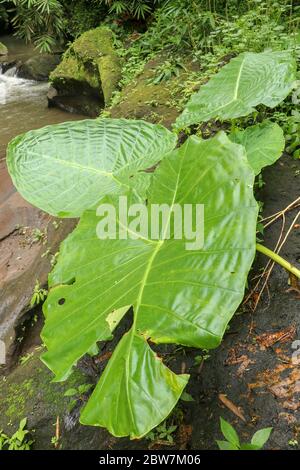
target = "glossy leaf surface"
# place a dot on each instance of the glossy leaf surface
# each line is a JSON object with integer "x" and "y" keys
{"x": 245, "y": 82}
{"x": 178, "y": 295}
{"x": 264, "y": 144}
{"x": 66, "y": 168}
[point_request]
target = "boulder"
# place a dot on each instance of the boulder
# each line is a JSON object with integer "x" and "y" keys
{"x": 3, "y": 49}
{"x": 88, "y": 74}
{"x": 39, "y": 67}
{"x": 26, "y": 256}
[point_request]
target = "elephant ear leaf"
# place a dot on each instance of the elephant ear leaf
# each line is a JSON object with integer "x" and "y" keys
{"x": 66, "y": 168}
{"x": 178, "y": 294}
{"x": 264, "y": 144}
{"x": 245, "y": 82}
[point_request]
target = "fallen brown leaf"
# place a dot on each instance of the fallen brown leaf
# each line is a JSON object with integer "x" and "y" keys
{"x": 267, "y": 340}
{"x": 232, "y": 407}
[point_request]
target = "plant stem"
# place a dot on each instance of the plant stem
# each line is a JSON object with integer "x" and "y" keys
{"x": 278, "y": 259}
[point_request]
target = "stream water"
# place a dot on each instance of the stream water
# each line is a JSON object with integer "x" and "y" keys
{"x": 23, "y": 106}
{"x": 23, "y": 103}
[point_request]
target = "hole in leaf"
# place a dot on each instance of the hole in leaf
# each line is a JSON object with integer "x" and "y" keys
{"x": 61, "y": 301}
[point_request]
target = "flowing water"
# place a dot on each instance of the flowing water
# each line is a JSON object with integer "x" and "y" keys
{"x": 23, "y": 103}
{"x": 23, "y": 106}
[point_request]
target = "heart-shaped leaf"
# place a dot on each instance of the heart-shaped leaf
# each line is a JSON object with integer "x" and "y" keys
{"x": 178, "y": 295}
{"x": 66, "y": 168}
{"x": 247, "y": 81}
{"x": 264, "y": 144}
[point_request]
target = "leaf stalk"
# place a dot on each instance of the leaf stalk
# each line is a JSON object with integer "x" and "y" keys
{"x": 278, "y": 259}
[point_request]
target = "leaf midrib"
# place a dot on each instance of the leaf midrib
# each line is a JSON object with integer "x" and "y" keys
{"x": 143, "y": 284}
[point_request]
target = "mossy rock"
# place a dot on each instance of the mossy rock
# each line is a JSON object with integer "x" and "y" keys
{"x": 88, "y": 74}
{"x": 28, "y": 391}
{"x": 93, "y": 44}
{"x": 3, "y": 49}
{"x": 144, "y": 98}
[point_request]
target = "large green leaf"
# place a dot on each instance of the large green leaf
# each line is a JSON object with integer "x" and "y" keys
{"x": 247, "y": 81}
{"x": 66, "y": 168}
{"x": 264, "y": 144}
{"x": 178, "y": 295}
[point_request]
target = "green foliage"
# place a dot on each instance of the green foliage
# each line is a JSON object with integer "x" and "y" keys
{"x": 266, "y": 25}
{"x": 128, "y": 272}
{"x": 102, "y": 156}
{"x": 167, "y": 70}
{"x": 38, "y": 21}
{"x": 264, "y": 143}
{"x": 98, "y": 160}
{"x": 233, "y": 92}
{"x": 287, "y": 115}
{"x": 77, "y": 394}
{"x": 163, "y": 432}
{"x": 39, "y": 295}
{"x": 210, "y": 32}
{"x": 137, "y": 267}
{"x": 18, "y": 441}
{"x": 233, "y": 442}
{"x": 138, "y": 9}
{"x": 82, "y": 15}
{"x": 209, "y": 27}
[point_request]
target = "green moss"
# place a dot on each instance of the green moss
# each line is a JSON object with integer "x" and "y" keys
{"x": 3, "y": 49}
{"x": 93, "y": 44}
{"x": 143, "y": 99}
{"x": 70, "y": 70}
{"x": 110, "y": 74}
{"x": 91, "y": 61}
{"x": 29, "y": 389}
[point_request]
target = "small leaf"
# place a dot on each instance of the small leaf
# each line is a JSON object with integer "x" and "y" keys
{"x": 186, "y": 397}
{"x": 23, "y": 423}
{"x": 71, "y": 392}
{"x": 246, "y": 446}
{"x": 84, "y": 388}
{"x": 264, "y": 144}
{"x": 261, "y": 437}
{"x": 172, "y": 429}
{"x": 229, "y": 432}
{"x": 71, "y": 405}
{"x": 225, "y": 445}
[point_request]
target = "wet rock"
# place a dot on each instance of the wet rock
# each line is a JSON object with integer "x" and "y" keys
{"x": 88, "y": 74}
{"x": 29, "y": 392}
{"x": 26, "y": 256}
{"x": 26, "y": 234}
{"x": 39, "y": 67}
{"x": 3, "y": 49}
{"x": 6, "y": 65}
